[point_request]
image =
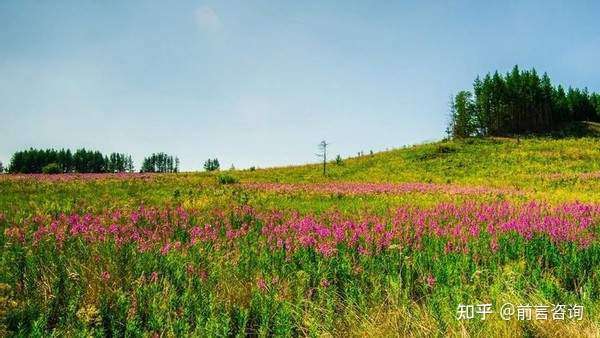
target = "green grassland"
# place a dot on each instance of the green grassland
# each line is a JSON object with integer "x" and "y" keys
{"x": 50, "y": 288}
{"x": 548, "y": 168}
{"x": 528, "y": 164}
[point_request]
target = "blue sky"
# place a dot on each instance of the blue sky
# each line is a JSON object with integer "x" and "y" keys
{"x": 262, "y": 82}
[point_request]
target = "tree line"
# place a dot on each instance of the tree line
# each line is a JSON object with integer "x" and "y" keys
{"x": 519, "y": 102}
{"x": 212, "y": 164}
{"x": 64, "y": 161}
{"x": 160, "y": 163}
{"x": 52, "y": 161}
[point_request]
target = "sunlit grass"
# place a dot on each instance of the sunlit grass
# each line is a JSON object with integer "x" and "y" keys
{"x": 229, "y": 283}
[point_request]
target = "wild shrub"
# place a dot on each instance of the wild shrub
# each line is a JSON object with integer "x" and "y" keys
{"x": 227, "y": 179}
{"x": 436, "y": 152}
{"x": 52, "y": 168}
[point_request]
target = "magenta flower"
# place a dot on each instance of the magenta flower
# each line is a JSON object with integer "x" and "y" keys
{"x": 105, "y": 275}
{"x": 494, "y": 245}
{"x": 261, "y": 284}
{"x": 431, "y": 281}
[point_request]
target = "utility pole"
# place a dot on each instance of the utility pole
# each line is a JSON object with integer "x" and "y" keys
{"x": 323, "y": 147}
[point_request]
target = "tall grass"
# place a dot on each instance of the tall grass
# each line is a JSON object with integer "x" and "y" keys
{"x": 481, "y": 221}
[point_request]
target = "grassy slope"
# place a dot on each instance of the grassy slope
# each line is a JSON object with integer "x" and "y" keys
{"x": 492, "y": 162}
{"x": 550, "y": 169}
{"x": 537, "y": 165}
{"x": 485, "y": 161}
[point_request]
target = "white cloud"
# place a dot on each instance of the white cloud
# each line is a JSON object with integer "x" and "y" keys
{"x": 208, "y": 19}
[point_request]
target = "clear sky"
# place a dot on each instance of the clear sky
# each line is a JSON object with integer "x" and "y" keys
{"x": 262, "y": 82}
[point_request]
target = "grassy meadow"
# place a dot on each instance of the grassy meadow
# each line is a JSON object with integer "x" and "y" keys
{"x": 388, "y": 244}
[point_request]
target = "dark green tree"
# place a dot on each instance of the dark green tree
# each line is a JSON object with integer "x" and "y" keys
{"x": 211, "y": 164}
{"x": 160, "y": 163}
{"x": 519, "y": 102}
{"x": 82, "y": 161}
{"x": 462, "y": 115}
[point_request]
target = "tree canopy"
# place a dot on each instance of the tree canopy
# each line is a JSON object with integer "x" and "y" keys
{"x": 212, "y": 164}
{"x": 160, "y": 163}
{"x": 519, "y": 102}
{"x": 64, "y": 161}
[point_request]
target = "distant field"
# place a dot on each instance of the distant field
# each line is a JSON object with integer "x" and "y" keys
{"x": 386, "y": 244}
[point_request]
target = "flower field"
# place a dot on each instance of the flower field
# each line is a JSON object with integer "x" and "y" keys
{"x": 283, "y": 254}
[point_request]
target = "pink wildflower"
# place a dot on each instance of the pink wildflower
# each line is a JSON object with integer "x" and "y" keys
{"x": 431, "y": 281}
{"x": 105, "y": 275}
{"x": 494, "y": 245}
{"x": 261, "y": 284}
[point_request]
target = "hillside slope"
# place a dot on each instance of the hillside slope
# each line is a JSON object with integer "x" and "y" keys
{"x": 561, "y": 169}
{"x": 174, "y": 252}
{"x": 489, "y": 161}
{"x": 570, "y": 166}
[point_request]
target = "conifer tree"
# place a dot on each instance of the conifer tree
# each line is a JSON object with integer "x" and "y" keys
{"x": 519, "y": 102}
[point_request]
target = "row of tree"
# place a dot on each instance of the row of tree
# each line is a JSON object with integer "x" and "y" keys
{"x": 53, "y": 161}
{"x": 519, "y": 102}
{"x": 212, "y": 165}
{"x": 64, "y": 161}
{"x": 160, "y": 163}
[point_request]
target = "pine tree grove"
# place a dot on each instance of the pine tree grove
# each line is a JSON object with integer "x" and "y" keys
{"x": 81, "y": 161}
{"x": 519, "y": 102}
